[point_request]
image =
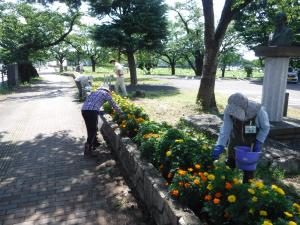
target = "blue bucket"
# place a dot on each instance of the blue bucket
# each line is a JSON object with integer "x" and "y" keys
{"x": 245, "y": 159}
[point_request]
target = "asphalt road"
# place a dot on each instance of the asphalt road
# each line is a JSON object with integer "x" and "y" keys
{"x": 253, "y": 89}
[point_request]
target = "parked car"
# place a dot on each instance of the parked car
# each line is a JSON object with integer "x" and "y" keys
{"x": 292, "y": 75}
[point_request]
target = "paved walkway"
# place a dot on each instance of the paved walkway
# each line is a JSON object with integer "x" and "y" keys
{"x": 44, "y": 178}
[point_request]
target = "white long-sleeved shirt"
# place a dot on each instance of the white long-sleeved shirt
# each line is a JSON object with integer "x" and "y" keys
{"x": 261, "y": 121}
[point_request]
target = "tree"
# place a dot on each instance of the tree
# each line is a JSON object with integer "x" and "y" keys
{"x": 255, "y": 23}
{"x": 190, "y": 20}
{"x": 147, "y": 60}
{"x": 213, "y": 39}
{"x": 228, "y": 52}
{"x": 60, "y": 53}
{"x": 25, "y": 30}
{"x": 134, "y": 25}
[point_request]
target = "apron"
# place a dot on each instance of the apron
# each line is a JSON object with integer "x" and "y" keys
{"x": 243, "y": 134}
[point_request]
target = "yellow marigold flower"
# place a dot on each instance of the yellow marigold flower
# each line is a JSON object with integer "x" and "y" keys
{"x": 209, "y": 187}
{"x": 274, "y": 187}
{"x": 263, "y": 213}
{"x": 223, "y": 177}
{"x": 259, "y": 184}
{"x": 267, "y": 222}
{"x": 251, "y": 211}
{"x": 231, "y": 198}
{"x": 123, "y": 126}
{"x": 265, "y": 192}
{"x": 196, "y": 181}
{"x": 295, "y": 205}
{"x": 211, "y": 177}
{"x": 254, "y": 199}
{"x": 168, "y": 153}
{"x": 288, "y": 214}
{"x": 280, "y": 191}
{"x": 197, "y": 166}
{"x": 179, "y": 140}
{"x": 205, "y": 174}
{"x": 292, "y": 223}
{"x": 236, "y": 181}
{"x": 251, "y": 191}
{"x": 181, "y": 172}
{"x": 190, "y": 169}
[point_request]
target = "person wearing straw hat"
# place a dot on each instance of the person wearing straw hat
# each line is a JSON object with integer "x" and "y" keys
{"x": 90, "y": 111}
{"x": 245, "y": 123}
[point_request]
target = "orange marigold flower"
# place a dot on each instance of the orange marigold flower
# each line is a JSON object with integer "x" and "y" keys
{"x": 216, "y": 201}
{"x": 196, "y": 181}
{"x": 180, "y": 183}
{"x": 228, "y": 185}
{"x": 197, "y": 166}
{"x": 218, "y": 195}
{"x": 181, "y": 172}
{"x": 187, "y": 185}
{"x": 203, "y": 177}
{"x": 174, "y": 193}
{"x": 207, "y": 197}
{"x": 190, "y": 169}
{"x": 170, "y": 175}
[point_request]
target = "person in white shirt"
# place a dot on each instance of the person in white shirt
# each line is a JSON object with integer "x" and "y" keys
{"x": 83, "y": 81}
{"x": 119, "y": 77}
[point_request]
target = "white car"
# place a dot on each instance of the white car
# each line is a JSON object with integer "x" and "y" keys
{"x": 292, "y": 76}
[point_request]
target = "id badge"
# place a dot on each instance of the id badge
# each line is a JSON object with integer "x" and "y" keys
{"x": 250, "y": 129}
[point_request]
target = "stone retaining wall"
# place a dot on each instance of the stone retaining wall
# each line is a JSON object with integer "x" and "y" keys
{"x": 146, "y": 180}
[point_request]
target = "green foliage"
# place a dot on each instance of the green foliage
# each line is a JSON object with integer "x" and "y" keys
{"x": 147, "y": 61}
{"x": 249, "y": 70}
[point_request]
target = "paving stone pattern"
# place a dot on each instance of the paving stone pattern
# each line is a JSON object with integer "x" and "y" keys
{"x": 44, "y": 178}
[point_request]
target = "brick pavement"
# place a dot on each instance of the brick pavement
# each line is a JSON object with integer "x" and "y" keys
{"x": 44, "y": 178}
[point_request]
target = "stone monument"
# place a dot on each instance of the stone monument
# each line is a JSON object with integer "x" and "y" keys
{"x": 277, "y": 56}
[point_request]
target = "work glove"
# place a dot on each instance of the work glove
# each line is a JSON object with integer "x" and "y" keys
{"x": 217, "y": 152}
{"x": 257, "y": 146}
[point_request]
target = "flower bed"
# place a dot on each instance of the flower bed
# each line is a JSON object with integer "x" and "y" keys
{"x": 212, "y": 190}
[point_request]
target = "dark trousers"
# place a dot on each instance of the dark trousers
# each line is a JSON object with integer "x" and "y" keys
{"x": 79, "y": 86}
{"x": 231, "y": 163}
{"x": 91, "y": 121}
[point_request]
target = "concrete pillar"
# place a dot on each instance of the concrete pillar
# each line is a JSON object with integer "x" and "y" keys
{"x": 274, "y": 87}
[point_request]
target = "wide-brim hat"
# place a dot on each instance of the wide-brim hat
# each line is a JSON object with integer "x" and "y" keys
{"x": 237, "y": 105}
{"x": 105, "y": 88}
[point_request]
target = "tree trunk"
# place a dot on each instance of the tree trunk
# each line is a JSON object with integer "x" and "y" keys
{"x": 132, "y": 68}
{"x": 61, "y": 68}
{"x": 223, "y": 68}
{"x": 93, "y": 61}
{"x": 172, "y": 64}
{"x": 198, "y": 62}
{"x": 206, "y": 95}
{"x": 26, "y": 71}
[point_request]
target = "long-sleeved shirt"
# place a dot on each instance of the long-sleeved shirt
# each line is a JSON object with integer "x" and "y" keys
{"x": 261, "y": 121}
{"x": 96, "y": 99}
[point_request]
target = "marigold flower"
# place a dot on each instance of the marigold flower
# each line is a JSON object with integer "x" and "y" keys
{"x": 170, "y": 175}
{"x": 251, "y": 191}
{"x": 209, "y": 187}
{"x": 297, "y": 206}
{"x": 216, "y": 201}
{"x": 251, "y": 211}
{"x": 203, "y": 178}
{"x": 197, "y": 166}
{"x": 181, "y": 172}
{"x": 223, "y": 177}
{"x": 254, "y": 199}
{"x": 265, "y": 192}
{"x": 280, "y": 191}
{"x": 179, "y": 140}
{"x": 231, "y": 198}
{"x": 292, "y": 223}
{"x": 288, "y": 214}
{"x": 259, "y": 184}
{"x": 205, "y": 173}
{"x": 190, "y": 169}
{"x": 236, "y": 181}
{"x": 267, "y": 222}
{"x": 207, "y": 197}
{"x": 168, "y": 153}
{"x": 218, "y": 195}
{"x": 263, "y": 213}
{"x": 180, "y": 183}
{"x": 187, "y": 185}
{"x": 211, "y": 177}
{"x": 174, "y": 192}
{"x": 196, "y": 181}
{"x": 228, "y": 185}
{"x": 161, "y": 166}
